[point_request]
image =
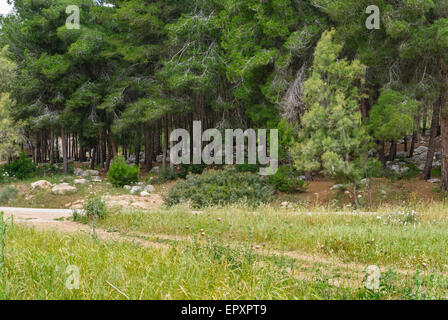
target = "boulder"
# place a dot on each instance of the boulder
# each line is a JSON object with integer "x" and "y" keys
{"x": 420, "y": 150}
{"x": 155, "y": 169}
{"x": 337, "y": 186}
{"x": 96, "y": 179}
{"x": 144, "y": 194}
{"x": 80, "y": 181}
{"x": 78, "y": 172}
{"x": 127, "y": 187}
{"x": 63, "y": 188}
{"x": 43, "y": 184}
{"x": 402, "y": 154}
{"x": 92, "y": 172}
{"x": 149, "y": 188}
{"x": 434, "y": 180}
{"x": 136, "y": 189}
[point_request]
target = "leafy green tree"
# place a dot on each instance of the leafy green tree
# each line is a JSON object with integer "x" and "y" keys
{"x": 332, "y": 132}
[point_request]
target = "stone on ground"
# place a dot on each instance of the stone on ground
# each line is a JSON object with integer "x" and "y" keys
{"x": 63, "y": 188}
{"x": 43, "y": 184}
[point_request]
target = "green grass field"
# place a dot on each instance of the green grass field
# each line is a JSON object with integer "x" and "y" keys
{"x": 234, "y": 253}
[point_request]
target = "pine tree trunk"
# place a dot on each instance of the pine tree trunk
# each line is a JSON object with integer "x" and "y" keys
{"x": 431, "y": 146}
{"x": 165, "y": 142}
{"x": 444, "y": 129}
{"x": 148, "y": 150}
{"x": 64, "y": 150}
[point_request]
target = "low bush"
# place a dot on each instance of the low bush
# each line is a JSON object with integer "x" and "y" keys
{"x": 21, "y": 168}
{"x": 218, "y": 188}
{"x": 286, "y": 180}
{"x": 247, "y": 168}
{"x": 48, "y": 169}
{"x": 120, "y": 174}
{"x": 164, "y": 175}
{"x": 185, "y": 169}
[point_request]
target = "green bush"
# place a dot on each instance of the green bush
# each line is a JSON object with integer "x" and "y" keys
{"x": 21, "y": 168}
{"x": 7, "y": 193}
{"x": 185, "y": 169}
{"x": 247, "y": 168}
{"x": 120, "y": 174}
{"x": 286, "y": 180}
{"x": 218, "y": 188}
{"x": 164, "y": 175}
{"x": 95, "y": 208}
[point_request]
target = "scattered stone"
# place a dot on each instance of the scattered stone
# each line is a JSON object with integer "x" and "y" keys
{"x": 136, "y": 189}
{"x": 365, "y": 181}
{"x": 96, "y": 179}
{"x": 43, "y": 184}
{"x": 434, "y": 180}
{"x": 78, "y": 172}
{"x": 149, "y": 188}
{"x": 155, "y": 169}
{"x": 63, "y": 188}
{"x": 127, "y": 187}
{"x": 93, "y": 172}
{"x": 398, "y": 169}
{"x": 337, "y": 186}
{"x": 80, "y": 181}
{"x": 144, "y": 194}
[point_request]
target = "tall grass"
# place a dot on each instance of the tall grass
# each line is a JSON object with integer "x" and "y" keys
{"x": 384, "y": 237}
{"x": 36, "y": 263}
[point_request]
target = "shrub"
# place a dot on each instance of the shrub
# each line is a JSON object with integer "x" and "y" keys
{"x": 218, "y": 188}
{"x": 286, "y": 180}
{"x": 48, "y": 169}
{"x": 191, "y": 168}
{"x": 7, "y": 193}
{"x": 120, "y": 174}
{"x": 21, "y": 168}
{"x": 164, "y": 175}
{"x": 247, "y": 168}
{"x": 95, "y": 208}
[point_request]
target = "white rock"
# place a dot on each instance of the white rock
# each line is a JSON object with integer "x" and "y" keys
{"x": 420, "y": 150}
{"x": 63, "y": 188}
{"x": 44, "y": 184}
{"x": 144, "y": 194}
{"x": 155, "y": 169}
{"x": 434, "y": 180}
{"x": 80, "y": 181}
{"x": 337, "y": 186}
{"x": 78, "y": 172}
{"x": 127, "y": 187}
{"x": 135, "y": 189}
{"x": 149, "y": 188}
{"x": 92, "y": 172}
{"x": 96, "y": 179}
